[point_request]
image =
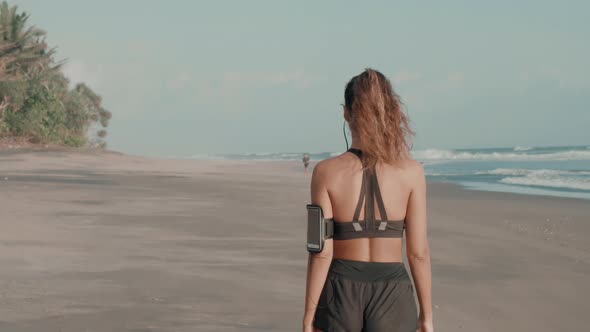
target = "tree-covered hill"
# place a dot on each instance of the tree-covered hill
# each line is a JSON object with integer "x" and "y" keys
{"x": 37, "y": 103}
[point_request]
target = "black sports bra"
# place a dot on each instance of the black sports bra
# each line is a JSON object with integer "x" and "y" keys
{"x": 346, "y": 230}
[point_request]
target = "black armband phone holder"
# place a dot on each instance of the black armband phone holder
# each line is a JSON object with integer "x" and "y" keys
{"x": 318, "y": 228}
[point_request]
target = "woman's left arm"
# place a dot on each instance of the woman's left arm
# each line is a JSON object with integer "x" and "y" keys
{"x": 318, "y": 264}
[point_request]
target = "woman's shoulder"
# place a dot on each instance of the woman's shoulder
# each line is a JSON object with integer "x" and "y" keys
{"x": 324, "y": 165}
{"x": 331, "y": 167}
{"x": 337, "y": 161}
{"x": 408, "y": 163}
{"x": 412, "y": 168}
{"x": 412, "y": 165}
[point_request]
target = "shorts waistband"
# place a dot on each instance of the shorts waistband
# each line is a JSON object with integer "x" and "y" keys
{"x": 368, "y": 271}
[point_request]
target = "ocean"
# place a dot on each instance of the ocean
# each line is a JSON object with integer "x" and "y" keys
{"x": 555, "y": 171}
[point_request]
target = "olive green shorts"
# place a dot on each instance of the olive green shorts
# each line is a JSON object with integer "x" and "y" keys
{"x": 367, "y": 296}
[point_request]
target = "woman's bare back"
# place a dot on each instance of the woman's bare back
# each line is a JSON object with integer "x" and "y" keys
{"x": 343, "y": 182}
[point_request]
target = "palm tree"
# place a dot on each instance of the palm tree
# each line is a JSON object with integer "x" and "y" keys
{"x": 35, "y": 99}
{"x": 5, "y": 56}
{"x": 23, "y": 51}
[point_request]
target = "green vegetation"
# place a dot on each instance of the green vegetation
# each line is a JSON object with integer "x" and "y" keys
{"x": 36, "y": 102}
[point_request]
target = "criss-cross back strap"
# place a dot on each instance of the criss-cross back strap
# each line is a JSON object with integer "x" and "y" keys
{"x": 359, "y": 205}
{"x": 370, "y": 192}
{"x": 369, "y": 200}
{"x": 378, "y": 196}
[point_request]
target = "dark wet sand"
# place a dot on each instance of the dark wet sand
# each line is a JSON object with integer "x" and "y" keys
{"x": 119, "y": 243}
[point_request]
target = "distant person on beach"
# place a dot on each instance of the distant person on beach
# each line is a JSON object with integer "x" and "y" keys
{"x": 374, "y": 193}
{"x": 306, "y": 162}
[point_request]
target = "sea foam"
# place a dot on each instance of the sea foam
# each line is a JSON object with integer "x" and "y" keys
{"x": 439, "y": 154}
{"x": 579, "y": 180}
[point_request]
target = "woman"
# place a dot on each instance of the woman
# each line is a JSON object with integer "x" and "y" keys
{"x": 358, "y": 282}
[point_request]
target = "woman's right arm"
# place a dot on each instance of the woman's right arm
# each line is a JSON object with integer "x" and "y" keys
{"x": 418, "y": 250}
{"x": 318, "y": 264}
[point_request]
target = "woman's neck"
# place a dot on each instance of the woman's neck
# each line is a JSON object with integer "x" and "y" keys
{"x": 354, "y": 143}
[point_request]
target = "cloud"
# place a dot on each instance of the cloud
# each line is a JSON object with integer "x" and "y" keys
{"x": 79, "y": 72}
{"x": 456, "y": 77}
{"x": 180, "y": 81}
{"x": 296, "y": 77}
{"x": 232, "y": 84}
{"x": 403, "y": 77}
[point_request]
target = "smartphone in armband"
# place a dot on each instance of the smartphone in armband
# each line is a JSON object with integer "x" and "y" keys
{"x": 318, "y": 229}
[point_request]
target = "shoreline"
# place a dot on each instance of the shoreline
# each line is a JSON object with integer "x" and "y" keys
{"x": 516, "y": 194}
{"x": 291, "y": 165}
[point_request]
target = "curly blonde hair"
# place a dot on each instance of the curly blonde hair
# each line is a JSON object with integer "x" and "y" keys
{"x": 377, "y": 119}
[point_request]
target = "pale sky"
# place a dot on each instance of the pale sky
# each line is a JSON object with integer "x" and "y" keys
{"x": 195, "y": 77}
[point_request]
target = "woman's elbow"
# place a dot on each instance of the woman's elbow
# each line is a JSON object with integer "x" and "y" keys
{"x": 327, "y": 252}
{"x": 421, "y": 255}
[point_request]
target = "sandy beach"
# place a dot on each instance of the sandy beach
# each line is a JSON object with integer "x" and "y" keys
{"x": 109, "y": 242}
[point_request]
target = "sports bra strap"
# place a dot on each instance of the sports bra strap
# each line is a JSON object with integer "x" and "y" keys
{"x": 369, "y": 199}
{"x": 359, "y": 205}
{"x": 378, "y": 196}
{"x": 370, "y": 192}
{"x": 368, "y": 228}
